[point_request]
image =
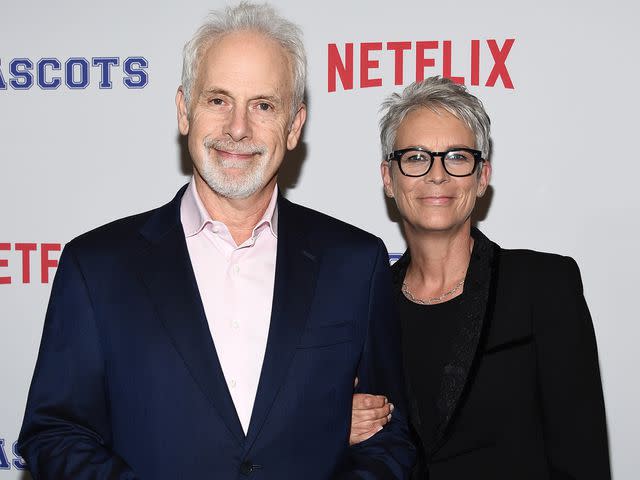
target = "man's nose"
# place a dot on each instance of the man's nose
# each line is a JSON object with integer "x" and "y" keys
{"x": 237, "y": 126}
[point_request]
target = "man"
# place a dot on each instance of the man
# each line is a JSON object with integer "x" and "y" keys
{"x": 219, "y": 336}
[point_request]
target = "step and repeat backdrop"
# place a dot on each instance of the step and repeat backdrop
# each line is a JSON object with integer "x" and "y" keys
{"x": 88, "y": 134}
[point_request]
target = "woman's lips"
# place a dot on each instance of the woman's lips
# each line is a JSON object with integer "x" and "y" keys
{"x": 436, "y": 199}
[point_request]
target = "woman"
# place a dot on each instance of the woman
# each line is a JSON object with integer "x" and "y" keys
{"x": 499, "y": 350}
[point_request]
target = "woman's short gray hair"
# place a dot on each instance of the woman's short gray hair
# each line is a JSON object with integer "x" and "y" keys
{"x": 247, "y": 16}
{"x": 434, "y": 93}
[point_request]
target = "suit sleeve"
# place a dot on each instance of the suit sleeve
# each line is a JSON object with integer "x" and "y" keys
{"x": 66, "y": 433}
{"x": 389, "y": 454}
{"x": 569, "y": 381}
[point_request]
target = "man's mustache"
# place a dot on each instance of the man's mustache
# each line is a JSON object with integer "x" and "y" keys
{"x": 235, "y": 147}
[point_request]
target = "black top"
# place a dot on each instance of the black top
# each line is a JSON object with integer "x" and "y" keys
{"x": 427, "y": 333}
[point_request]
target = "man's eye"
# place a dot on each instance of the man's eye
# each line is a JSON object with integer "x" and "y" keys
{"x": 264, "y": 106}
{"x": 217, "y": 101}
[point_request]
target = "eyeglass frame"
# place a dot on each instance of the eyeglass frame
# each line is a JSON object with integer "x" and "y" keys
{"x": 397, "y": 155}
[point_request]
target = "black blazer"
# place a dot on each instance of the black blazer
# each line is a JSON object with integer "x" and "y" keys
{"x": 520, "y": 396}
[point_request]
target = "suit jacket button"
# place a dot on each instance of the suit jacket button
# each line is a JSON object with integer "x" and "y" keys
{"x": 246, "y": 467}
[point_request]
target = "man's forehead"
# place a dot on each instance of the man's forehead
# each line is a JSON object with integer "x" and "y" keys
{"x": 234, "y": 47}
{"x": 246, "y": 60}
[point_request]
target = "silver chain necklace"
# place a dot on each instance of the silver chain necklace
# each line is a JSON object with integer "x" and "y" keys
{"x": 431, "y": 300}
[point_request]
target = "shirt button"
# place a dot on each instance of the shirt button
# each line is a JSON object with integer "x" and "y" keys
{"x": 232, "y": 383}
{"x": 235, "y": 324}
{"x": 236, "y": 269}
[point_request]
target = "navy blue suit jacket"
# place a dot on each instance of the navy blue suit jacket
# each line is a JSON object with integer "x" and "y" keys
{"x": 128, "y": 384}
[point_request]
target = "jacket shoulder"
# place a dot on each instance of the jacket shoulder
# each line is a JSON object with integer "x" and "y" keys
{"x": 329, "y": 230}
{"x": 112, "y": 232}
{"x": 113, "y": 237}
{"x": 534, "y": 263}
{"x": 541, "y": 277}
{"x": 131, "y": 229}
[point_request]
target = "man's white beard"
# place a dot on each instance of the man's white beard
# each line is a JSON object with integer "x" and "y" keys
{"x": 248, "y": 177}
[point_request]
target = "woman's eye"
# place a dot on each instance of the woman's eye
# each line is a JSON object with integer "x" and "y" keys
{"x": 416, "y": 157}
{"x": 459, "y": 157}
{"x": 217, "y": 101}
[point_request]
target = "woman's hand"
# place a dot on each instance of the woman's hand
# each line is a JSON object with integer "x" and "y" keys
{"x": 369, "y": 414}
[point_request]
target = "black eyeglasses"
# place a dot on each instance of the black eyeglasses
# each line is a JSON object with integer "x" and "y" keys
{"x": 417, "y": 161}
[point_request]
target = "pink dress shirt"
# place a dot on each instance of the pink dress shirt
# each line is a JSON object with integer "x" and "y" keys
{"x": 236, "y": 287}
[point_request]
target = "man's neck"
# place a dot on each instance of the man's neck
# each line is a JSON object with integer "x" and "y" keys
{"x": 240, "y": 215}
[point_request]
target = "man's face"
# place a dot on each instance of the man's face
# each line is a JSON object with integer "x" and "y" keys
{"x": 239, "y": 122}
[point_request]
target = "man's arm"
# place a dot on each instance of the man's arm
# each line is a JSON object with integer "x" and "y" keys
{"x": 575, "y": 429}
{"x": 389, "y": 454}
{"x": 66, "y": 431}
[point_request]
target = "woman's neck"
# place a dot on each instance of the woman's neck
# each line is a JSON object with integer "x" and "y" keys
{"x": 439, "y": 260}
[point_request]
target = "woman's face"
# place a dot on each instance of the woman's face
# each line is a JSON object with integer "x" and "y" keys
{"x": 436, "y": 201}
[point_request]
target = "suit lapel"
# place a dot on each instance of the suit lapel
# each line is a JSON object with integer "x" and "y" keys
{"x": 166, "y": 270}
{"x": 478, "y": 290}
{"x": 295, "y": 280}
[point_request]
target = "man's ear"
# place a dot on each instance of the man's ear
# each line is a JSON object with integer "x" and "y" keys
{"x": 183, "y": 115}
{"x": 296, "y": 127}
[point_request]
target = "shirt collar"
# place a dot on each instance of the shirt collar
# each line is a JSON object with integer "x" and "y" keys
{"x": 195, "y": 217}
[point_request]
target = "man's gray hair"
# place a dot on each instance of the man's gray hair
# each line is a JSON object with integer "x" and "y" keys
{"x": 435, "y": 93}
{"x": 247, "y": 17}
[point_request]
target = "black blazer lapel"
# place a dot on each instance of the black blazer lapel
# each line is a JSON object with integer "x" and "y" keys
{"x": 295, "y": 280}
{"x": 166, "y": 270}
{"x": 478, "y": 292}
